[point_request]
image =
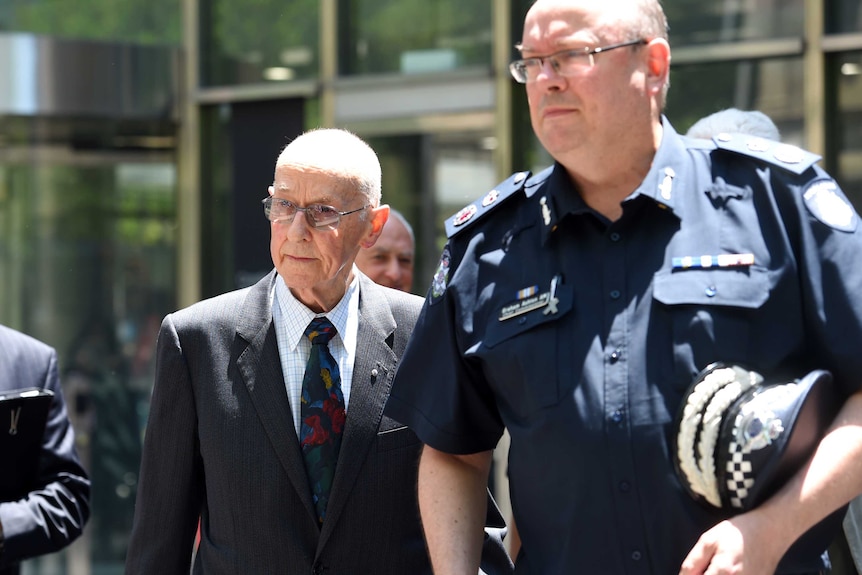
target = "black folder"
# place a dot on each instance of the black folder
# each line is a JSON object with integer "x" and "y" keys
{"x": 23, "y": 414}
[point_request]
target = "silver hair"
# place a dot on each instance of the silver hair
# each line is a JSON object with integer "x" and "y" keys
{"x": 339, "y": 152}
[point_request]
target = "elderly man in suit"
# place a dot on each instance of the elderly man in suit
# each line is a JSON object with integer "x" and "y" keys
{"x": 288, "y": 476}
{"x": 47, "y": 511}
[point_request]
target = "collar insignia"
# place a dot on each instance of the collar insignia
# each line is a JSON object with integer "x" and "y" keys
{"x": 667, "y": 183}
{"x": 546, "y": 211}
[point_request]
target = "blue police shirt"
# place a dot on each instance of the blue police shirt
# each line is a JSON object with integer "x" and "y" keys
{"x": 580, "y": 336}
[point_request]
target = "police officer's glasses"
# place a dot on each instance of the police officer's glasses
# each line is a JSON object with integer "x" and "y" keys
{"x": 318, "y": 216}
{"x": 565, "y": 62}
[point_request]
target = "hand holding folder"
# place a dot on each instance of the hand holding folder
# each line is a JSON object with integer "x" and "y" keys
{"x": 23, "y": 414}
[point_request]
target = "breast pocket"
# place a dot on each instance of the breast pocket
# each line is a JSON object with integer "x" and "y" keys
{"x": 708, "y": 314}
{"x": 524, "y": 356}
{"x": 393, "y": 435}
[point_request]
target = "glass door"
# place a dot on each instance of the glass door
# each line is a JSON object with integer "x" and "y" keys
{"x": 87, "y": 264}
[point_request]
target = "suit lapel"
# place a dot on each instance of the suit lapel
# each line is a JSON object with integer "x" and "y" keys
{"x": 260, "y": 367}
{"x": 373, "y": 371}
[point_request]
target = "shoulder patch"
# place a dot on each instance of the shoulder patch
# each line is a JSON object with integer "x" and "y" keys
{"x": 785, "y": 156}
{"x": 827, "y": 203}
{"x": 474, "y": 212}
{"x": 441, "y": 276}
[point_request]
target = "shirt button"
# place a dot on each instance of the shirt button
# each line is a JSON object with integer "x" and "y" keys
{"x": 625, "y": 486}
{"x": 711, "y": 291}
{"x": 636, "y": 555}
{"x": 615, "y": 237}
{"x": 617, "y": 416}
{"x": 615, "y": 294}
{"x": 615, "y": 355}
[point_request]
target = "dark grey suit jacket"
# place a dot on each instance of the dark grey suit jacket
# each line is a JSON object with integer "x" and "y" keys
{"x": 52, "y": 514}
{"x": 220, "y": 443}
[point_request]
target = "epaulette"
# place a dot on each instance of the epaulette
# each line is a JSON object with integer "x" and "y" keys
{"x": 475, "y": 211}
{"x": 785, "y": 156}
{"x": 698, "y": 143}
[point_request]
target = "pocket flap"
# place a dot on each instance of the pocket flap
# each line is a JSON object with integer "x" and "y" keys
{"x": 501, "y": 330}
{"x": 734, "y": 288}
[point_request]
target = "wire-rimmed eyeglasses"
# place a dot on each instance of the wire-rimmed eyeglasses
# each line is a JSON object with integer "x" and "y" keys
{"x": 569, "y": 62}
{"x": 318, "y": 216}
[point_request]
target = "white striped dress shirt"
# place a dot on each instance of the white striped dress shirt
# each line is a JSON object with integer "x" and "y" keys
{"x": 291, "y": 317}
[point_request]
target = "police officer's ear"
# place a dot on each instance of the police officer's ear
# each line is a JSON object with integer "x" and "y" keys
{"x": 658, "y": 64}
{"x": 377, "y": 218}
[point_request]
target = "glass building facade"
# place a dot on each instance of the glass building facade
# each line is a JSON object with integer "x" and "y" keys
{"x": 138, "y": 137}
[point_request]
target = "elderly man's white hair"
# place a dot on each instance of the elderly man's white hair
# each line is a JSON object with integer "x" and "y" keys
{"x": 735, "y": 121}
{"x": 340, "y": 153}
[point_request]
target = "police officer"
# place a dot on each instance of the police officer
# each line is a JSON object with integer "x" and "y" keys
{"x": 575, "y": 306}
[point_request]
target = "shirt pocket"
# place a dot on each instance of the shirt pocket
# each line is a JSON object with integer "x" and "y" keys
{"x": 707, "y": 315}
{"x": 524, "y": 357}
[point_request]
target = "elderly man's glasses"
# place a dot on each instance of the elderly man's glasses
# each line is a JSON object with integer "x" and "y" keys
{"x": 565, "y": 62}
{"x": 318, "y": 216}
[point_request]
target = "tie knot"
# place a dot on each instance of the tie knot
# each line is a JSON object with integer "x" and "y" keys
{"x": 320, "y": 331}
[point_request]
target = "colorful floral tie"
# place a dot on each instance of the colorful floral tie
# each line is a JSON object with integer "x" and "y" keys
{"x": 322, "y": 412}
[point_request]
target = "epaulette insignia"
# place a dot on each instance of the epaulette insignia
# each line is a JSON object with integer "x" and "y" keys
{"x": 785, "y": 156}
{"x": 474, "y": 212}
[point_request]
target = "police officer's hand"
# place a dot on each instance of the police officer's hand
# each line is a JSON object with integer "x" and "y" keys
{"x": 738, "y": 546}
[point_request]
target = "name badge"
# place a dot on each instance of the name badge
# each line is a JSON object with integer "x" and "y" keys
{"x": 521, "y": 307}
{"x": 528, "y": 300}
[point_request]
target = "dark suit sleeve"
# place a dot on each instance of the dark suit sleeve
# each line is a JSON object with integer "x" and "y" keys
{"x": 53, "y": 514}
{"x": 170, "y": 490}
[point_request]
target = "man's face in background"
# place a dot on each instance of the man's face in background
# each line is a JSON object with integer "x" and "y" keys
{"x": 389, "y": 261}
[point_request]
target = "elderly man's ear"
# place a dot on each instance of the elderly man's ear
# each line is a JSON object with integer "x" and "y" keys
{"x": 658, "y": 53}
{"x": 378, "y": 217}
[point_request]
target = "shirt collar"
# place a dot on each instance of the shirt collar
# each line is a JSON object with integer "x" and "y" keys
{"x": 296, "y": 316}
{"x": 662, "y": 184}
